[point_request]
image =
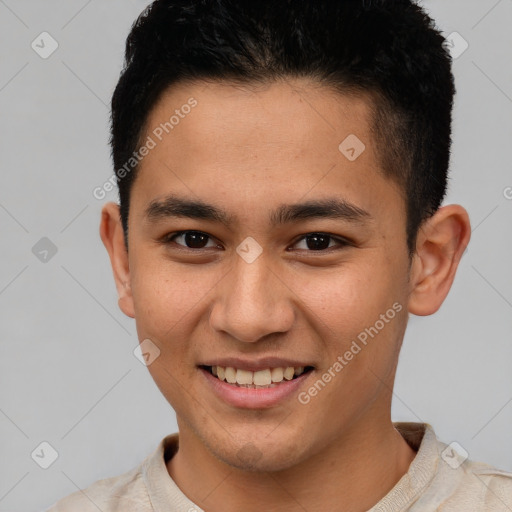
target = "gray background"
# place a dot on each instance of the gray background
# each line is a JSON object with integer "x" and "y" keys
{"x": 68, "y": 375}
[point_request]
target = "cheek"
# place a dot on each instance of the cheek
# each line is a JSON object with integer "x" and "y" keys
{"x": 164, "y": 295}
{"x": 171, "y": 378}
{"x": 166, "y": 303}
{"x": 352, "y": 295}
{"x": 360, "y": 315}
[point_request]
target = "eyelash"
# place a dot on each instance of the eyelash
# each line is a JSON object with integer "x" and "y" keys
{"x": 169, "y": 239}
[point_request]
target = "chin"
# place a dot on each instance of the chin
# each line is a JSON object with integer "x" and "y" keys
{"x": 258, "y": 453}
{"x": 251, "y": 459}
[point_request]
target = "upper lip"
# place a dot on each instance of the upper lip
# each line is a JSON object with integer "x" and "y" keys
{"x": 254, "y": 365}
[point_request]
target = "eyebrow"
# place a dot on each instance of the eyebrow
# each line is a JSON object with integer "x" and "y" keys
{"x": 330, "y": 208}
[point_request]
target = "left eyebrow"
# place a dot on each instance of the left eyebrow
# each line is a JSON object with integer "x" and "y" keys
{"x": 331, "y": 208}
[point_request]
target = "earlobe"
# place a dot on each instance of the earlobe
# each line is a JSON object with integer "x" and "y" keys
{"x": 112, "y": 235}
{"x": 441, "y": 242}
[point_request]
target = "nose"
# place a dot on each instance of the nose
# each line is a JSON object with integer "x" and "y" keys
{"x": 252, "y": 302}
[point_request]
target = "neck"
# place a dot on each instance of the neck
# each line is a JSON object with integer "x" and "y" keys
{"x": 353, "y": 472}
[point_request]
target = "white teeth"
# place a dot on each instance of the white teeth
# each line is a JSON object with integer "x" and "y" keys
{"x": 288, "y": 373}
{"x": 243, "y": 377}
{"x": 261, "y": 378}
{"x": 230, "y": 375}
{"x": 277, "y": 374}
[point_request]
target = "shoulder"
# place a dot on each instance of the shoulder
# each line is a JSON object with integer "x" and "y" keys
{"x": 128, "y": 491}
{"x": 474, "y": 485}
{"x": 108, "y": 495}
{"x": 450, "y": 480}
{"x": 495, "y": 486}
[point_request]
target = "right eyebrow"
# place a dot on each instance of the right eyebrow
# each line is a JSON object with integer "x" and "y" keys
{"x": 173, "y": 206}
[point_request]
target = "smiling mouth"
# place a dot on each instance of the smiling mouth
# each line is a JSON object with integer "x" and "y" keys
{"x": 267, "y": 378}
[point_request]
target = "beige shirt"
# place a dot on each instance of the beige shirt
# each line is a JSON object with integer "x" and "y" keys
{"x": 438, "y": 479}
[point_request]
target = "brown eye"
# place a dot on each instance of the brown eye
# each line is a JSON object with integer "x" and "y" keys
{"x": 320, "y": 242}
{"x": 191, "y": 239}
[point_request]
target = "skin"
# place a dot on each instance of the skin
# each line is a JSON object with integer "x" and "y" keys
{"x": 248, "y": 150}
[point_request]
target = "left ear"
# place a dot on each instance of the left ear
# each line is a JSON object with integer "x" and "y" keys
{"x": 440, "y": 244}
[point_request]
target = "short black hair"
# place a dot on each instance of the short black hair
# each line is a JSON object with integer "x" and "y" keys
{"x": 389, "y": 50}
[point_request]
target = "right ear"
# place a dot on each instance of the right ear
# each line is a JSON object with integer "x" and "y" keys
{"x": 112, "y": 235}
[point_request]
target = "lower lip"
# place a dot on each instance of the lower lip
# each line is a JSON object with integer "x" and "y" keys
{"x": 249, "y": 398}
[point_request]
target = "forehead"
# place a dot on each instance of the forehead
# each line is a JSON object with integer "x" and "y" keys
{"x": 294, "y": 113}
{"x": 255, "y": 143}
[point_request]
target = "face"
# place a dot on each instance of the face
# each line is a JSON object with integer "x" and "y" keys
{"x": 257, "y": 245}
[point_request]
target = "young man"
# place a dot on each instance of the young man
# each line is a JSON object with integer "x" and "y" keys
{"x": 281, "y": 168}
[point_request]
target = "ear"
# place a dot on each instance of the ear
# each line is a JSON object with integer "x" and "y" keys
{"x": 441, "y": 242}
{"x": 111, "y": 232}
